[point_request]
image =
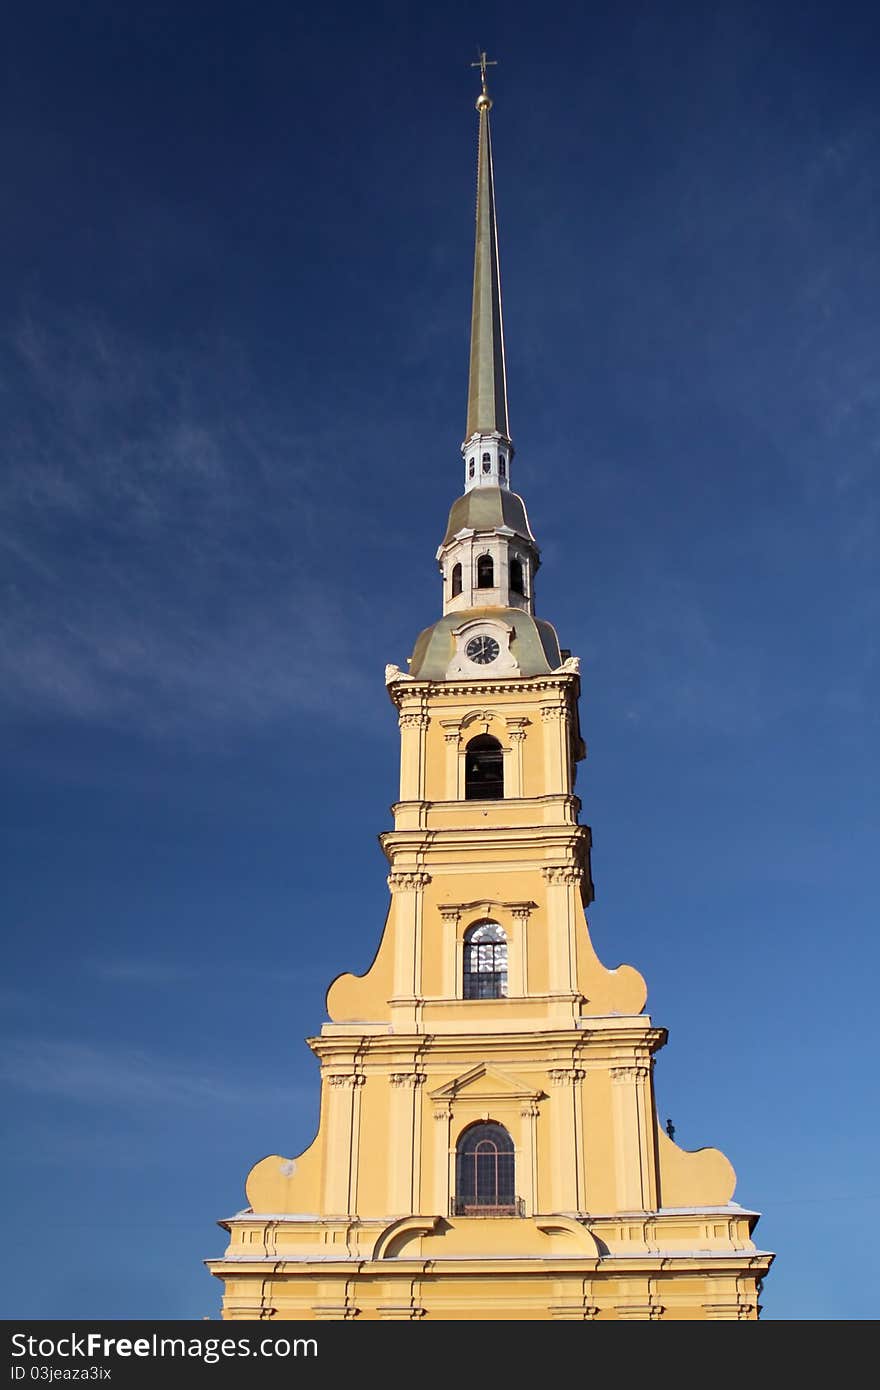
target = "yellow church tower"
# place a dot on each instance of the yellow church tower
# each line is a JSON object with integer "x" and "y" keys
{"x": 488, "y": 1144}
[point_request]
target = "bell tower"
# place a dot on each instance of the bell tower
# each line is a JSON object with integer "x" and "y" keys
{"x": 488, "y": 1145}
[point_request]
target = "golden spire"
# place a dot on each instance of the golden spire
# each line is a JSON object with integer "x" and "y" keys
{"x": 487, "y": 386}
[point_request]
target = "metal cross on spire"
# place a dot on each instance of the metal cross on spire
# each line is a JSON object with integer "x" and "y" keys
{"x": 483, "y": 63}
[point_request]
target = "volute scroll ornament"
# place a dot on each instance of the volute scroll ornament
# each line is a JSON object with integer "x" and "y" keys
{"x": 408, "y": 882}
{"x": 566, "y": 1076}
{"x": 413, "y": 719}
{"x": 565, "y": 875}
{"x": 551, "y": 713}
{"x": 450, "y": 913}
{"x": 621, "y": 1076}
{"x": 348, "y": 1079}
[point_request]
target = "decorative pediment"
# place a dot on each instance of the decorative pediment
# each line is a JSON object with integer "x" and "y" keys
{"x": 486, "y": 1082}
{"x": 478, "y": 716}
{"x": 485, "y": 906}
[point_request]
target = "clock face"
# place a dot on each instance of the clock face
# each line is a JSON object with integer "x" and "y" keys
{"x": 482, "y": 650}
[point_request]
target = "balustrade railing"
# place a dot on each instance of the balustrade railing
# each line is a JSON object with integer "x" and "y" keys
{"x": 466, "y": 1206}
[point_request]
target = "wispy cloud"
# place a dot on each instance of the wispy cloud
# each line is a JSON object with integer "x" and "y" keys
{"x": 160, "y": 538}
{"x": 86, "y": 1074}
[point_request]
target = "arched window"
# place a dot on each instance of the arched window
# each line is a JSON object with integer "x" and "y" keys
{"x": 487, "y": 462}
{"x": 502, "y": 466}
{"x": 456, "y": 580}
{"x": 484, "y": 1172}
{"x": 485, "y": 572}
{"x": 483, "y": 769}
{"x": 471, "y": 468}
{"x": 516, "y": 576}
{"x": 485, "y": 962}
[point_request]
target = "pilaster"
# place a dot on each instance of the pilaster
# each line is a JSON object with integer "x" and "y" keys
{"x": 556, "y": 754}
{"x": 516, "y": 733}
{"x": 566, "y": 1192}
{"x": 450, "y": 915}
{"x": 444, "y": 1157}
{"x": 518, "y": 956}
{"x": 528, "y": 1157}
{"x": 635, "y": 1168}
{"x": 408, "y": 892}
{"x": 405, "y": 1142}
{"x": 452, "y": 740}
{"x": 413, "y": 721}
{"x": 563, "y": 915}
{"x": 342, "y": 1123}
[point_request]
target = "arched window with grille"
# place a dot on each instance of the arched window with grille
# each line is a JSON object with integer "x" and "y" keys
{"x": 517, "y": 579}
{"x": 456, "y": 580}
{"x": 485, "y": 962}
{"x": 484, "y": 1172}
{"x": 483, "y": 769}
{"x": 485, "y": 572}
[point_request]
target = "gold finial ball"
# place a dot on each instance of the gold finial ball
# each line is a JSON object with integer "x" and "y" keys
{"x": 484, "y": 102}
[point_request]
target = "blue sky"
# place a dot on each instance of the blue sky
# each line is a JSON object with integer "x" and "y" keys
{"x": 234, "y": 304}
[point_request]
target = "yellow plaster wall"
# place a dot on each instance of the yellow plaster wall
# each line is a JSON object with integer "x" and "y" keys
{"x": 413, "y": 1064}
{"x": 704, "y": 1177}
{"x": 287, "y": 1185}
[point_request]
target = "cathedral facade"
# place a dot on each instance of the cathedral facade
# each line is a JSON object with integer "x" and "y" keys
{"x": 488, "y": 1145}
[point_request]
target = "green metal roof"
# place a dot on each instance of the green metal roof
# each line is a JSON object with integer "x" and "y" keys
{"x": 535, "y": 644}
{"x": 487, "y": 508}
